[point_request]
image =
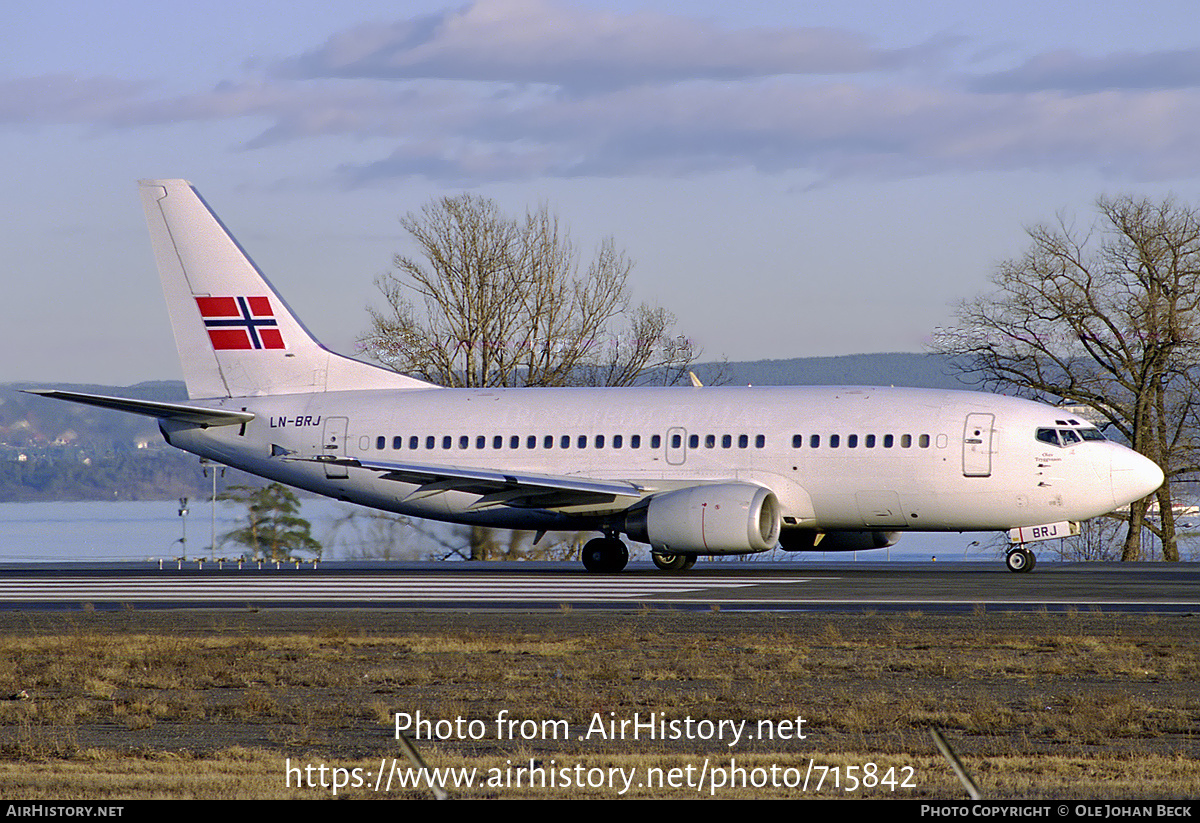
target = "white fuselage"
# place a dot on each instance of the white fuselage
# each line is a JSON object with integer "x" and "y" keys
{"x": 692, "y": 470}
{"x": 837, "y": 458}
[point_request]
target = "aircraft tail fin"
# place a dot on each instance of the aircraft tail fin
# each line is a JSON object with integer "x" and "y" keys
{"x": 236, "y": 337}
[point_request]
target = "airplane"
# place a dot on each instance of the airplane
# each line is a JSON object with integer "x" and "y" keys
{"x": 690, "y": 470}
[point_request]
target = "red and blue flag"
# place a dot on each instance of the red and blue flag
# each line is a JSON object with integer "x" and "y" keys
{"x": 240, "y": 322}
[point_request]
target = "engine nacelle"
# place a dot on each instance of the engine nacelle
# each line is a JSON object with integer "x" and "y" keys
{"x": 725, "y": 518}
{"x": 808, "y": 540}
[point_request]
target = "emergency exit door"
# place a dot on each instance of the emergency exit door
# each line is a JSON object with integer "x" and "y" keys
{"x": 977, "y": 445}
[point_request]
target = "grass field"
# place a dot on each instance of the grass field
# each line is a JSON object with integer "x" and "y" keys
{"x": 275, "y": 704}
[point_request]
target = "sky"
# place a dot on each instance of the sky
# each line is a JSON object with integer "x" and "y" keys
{"x": 791, "y": 179}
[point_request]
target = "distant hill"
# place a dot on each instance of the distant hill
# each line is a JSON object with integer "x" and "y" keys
{"x": 28, "y": 420}
{"x": 930, "y": 371}
{"x": 51, "y": 450}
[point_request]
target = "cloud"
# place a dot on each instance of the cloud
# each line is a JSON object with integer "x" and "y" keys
{"x": 535, "y": 41}
{"x": 837, "y": 129}
{"x": 61, "y": 98}
{"x": 519, "y": 89}
{"x": 1071, "y": 72}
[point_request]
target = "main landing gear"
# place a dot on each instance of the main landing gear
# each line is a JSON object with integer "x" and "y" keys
{"x": 605, "y": 554}
{"x": 608, "y": 555}
{"x": 673, "y": 562}
{"x": 1020, "y": 559}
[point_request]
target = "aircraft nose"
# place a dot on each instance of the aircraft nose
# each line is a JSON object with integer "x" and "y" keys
{"x": 1133, "y": 476}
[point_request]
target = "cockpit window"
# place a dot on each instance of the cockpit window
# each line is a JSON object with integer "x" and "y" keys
{"x": 1068, "y": 437}
{"x": 1048, "y": 436}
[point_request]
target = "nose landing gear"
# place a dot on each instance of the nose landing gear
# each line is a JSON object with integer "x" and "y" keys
{"x": 1020, "y": 559}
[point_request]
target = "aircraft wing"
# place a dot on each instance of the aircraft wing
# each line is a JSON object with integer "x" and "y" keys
{"x": 496, "y": 488}
{"x": 196, "y": 415}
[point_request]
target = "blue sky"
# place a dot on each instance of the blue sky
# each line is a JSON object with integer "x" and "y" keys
{"x": 791, "y": 179}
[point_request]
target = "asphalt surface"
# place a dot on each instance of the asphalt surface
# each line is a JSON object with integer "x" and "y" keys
{"x": 808, "y": 586}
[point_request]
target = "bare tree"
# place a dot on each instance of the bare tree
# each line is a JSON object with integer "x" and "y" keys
{"x": 493, "y": 301}
{"x": 1106, "y": 318}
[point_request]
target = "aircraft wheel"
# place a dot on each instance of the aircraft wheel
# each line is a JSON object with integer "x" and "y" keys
{"x": 1020, "y": 560}
{"x": 605, "y": 555}
{"x": 673, "y": 562}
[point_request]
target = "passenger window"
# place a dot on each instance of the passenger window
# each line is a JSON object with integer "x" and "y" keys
{"x": 760, "y": 440}
{"x": 924, "y": 441}
{"x": 834, "y": 441}
{"x": 531, "y": 441}
{"x": 815, "y": 441}
{"x": 676, "y": 441}
{"x": 635, "y": 441}
{"x": 549, "y": 441}
{"x": 381, "y": 442}
{"x": 566, "y": 441}
{"x": 498, "y": 441}
{"x": 743, "y": 441}
{"x": 726, "y": 441}
{"x": 583, "y": 441}
{"x": 869, "y": 441}
{"x": 888, "y": 441}
{"x": 447, "y": 441}
{"x": 710, "y": 441}
{"x": 905, "y": 441}
{"x": 797, "y": 441}
{"x": 618, "y": 441}
{"x": 480, "y": 441}
{"x": 413, "y": 442}
{"x": 397, "y": 442}
{"x": 599, "y": 441}
{"x": 694, "y": 441}
{"x": 514, "y": 441}
{"x": 655, "y": 441}
{"x": 429, "y": 441}
{"x": 463, "y": 441}
{"x": 852, "y": 441}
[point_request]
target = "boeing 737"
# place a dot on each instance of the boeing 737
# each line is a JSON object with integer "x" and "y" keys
{"x": 690, "y": 470}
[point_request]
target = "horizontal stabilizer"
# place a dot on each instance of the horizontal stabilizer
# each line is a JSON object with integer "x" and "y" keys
{"x": 196, "y": 415}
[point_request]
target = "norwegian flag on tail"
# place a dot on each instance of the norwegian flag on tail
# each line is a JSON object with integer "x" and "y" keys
{"x": 240, "y": 322}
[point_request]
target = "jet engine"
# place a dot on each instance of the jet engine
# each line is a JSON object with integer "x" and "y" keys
{"x": 808, "y": 540}
{"x": 725, "y": 518}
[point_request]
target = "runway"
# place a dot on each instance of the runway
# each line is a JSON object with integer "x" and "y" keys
{"x": 809, "y": 586}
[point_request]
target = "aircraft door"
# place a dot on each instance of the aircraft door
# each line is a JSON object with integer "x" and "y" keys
{"x": 333, "y": 444}
{"x": 676, "y": 445}
{"x": 977, "y": 445}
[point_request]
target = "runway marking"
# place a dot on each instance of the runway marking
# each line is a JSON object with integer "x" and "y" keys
{"x": 363, "y": 587}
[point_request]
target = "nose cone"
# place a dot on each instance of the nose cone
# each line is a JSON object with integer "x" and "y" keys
{"x": 1133, "y": 476}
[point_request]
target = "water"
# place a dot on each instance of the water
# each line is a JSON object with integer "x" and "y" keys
{"x": 137, "y": 530}
{"x": 152, "y": 530}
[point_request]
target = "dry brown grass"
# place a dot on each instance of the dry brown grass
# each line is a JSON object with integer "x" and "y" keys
{"x": 187, "y": 704}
